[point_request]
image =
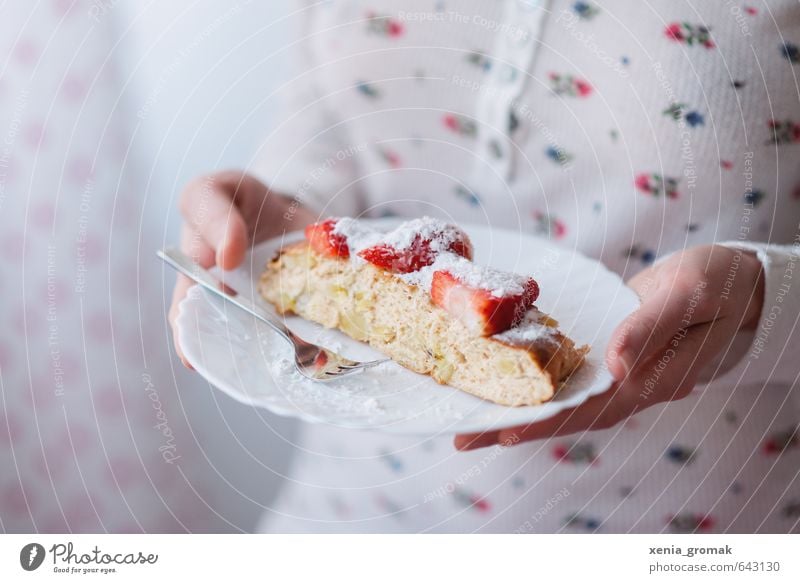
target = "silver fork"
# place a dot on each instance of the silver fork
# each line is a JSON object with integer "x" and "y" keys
{"x": 312, "y": 361}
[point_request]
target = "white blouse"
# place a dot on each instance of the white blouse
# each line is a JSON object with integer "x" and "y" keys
{"x": 624, "y": 130}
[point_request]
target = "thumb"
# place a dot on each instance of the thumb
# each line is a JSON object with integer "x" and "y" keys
{"x": 669, "y": 305}
{"x": 230, "y": 232}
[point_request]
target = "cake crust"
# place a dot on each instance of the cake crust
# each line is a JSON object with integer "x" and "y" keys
{"x": 523, "y": 366}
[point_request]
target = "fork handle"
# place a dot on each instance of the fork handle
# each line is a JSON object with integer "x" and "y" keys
{"x": 182, "y": 263}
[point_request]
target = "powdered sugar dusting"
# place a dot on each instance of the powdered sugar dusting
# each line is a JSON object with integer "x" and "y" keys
{"x": 440, "y": 234}
{"x": 499, "y": 283}
{"x": 356, "y": 398}
{"x": 360, "y": 236}
{"x": 424, "y": 276}
{"x": 531, "y": 329}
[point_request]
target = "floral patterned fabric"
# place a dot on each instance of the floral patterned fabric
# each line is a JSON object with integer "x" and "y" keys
{"x": 625, "y": 130}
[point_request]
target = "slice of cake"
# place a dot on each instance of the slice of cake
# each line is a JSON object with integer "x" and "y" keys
{"x": 415, "y": 294}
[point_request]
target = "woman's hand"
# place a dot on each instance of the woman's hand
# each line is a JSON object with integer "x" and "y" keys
{"x": 693, "y": 303}
{"x": 224, "y": 213}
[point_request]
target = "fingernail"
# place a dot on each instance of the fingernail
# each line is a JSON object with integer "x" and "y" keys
{"x": 461, "y": 443}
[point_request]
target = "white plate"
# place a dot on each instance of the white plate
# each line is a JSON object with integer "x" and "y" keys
{"x": 247, "y": 360}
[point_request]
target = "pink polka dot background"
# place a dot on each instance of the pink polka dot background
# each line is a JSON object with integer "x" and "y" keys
{"x": 101, "y": 429}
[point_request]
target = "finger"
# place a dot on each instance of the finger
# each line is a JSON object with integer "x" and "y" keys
{"x": 193, "y": 245}
{"x": 662, "y": 315}
{"x": 207, "y": 205}
{"x": 674, "y": 371}
{"x": 468, "y": 441}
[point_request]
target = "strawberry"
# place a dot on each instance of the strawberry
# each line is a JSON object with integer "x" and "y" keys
{"x": 390, "y": 259}
{"x": 417, "y": 255}
{"x": 325, "y": 242}
{"x": 479, "y": 309}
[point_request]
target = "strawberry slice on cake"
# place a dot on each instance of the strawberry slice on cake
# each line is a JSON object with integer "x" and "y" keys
{"x": 322, "y": 239}
{"x": 401, "y": 254}
{"x": 485, "y": 300}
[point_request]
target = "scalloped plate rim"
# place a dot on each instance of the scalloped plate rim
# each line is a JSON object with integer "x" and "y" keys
{"x": 196, "y": 297}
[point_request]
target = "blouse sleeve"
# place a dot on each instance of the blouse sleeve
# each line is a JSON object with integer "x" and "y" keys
{"x": 771, "y": 351}
{"x": 306, "y": 156}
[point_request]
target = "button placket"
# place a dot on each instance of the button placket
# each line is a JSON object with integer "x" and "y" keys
{"x": 513, "y": 53}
